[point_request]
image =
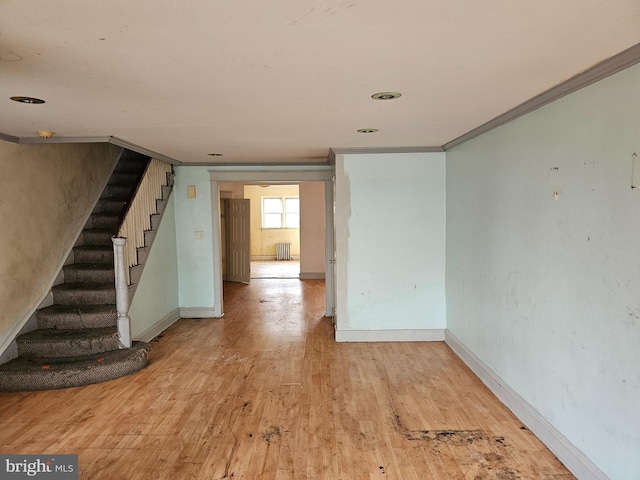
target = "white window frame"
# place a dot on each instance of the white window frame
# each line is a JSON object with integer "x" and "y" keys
{"x": 283, "y": 213}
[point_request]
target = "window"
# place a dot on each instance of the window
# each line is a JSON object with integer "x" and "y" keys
{"x": 280, "y": 212}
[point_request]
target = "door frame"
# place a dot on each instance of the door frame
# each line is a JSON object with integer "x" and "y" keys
{"x": 274, "y": 175}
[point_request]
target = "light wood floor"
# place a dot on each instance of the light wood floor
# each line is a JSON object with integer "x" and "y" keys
{"x": 266, "y": 393}
{"x": 275, "y": 269}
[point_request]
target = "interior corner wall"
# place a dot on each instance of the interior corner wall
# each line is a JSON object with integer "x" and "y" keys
{"x": 390, "y": 246}
{"x": 195, "y": 255}
{"x": 155, "y": 305}
{"x": 46, "y": 194}
{"x": 543, "y": 277}
{"x": 312, "y": 230}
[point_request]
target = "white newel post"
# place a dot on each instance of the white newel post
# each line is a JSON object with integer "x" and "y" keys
{"x": 122, "y": 291}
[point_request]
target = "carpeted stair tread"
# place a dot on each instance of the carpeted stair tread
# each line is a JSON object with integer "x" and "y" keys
{"x": 97, "y": 236}
{"x": 96, "y": 254}
{"x": 88, "y": 266}
{"x": 89, "y": 273}
{"x": 50, "y": 373}
{"x": 105, "y": 220}
{"x": 68, "y": 317}
{"x": 84, "y": 294}
{"x": 54, "y": 335}
{"x": 68, "y": 343}
{"x": 111, "y": 205}
{"x": 87, "y": 287}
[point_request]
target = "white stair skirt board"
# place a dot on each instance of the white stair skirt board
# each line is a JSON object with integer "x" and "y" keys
{"x": 572, "y": 458}
{"x": 157, "y": 328}
{"x": 431, "y": 335}
{"x": 199, "y": 312}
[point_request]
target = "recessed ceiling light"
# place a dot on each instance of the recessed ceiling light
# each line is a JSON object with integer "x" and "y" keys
{"x": 386, "y": 95}
{"x": 367, "y": 130}
{"x": 32, "y": 100}
{"x": 214, "y": 154}
{"x": 45, "y": 133}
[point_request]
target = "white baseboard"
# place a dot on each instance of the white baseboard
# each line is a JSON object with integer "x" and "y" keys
{"x": 199, "y": 312}
{"x": 576, "y": 461}
{"x": 312, "y": 276}
{"x": 427, "y": 335}
{"x": 157, "y": 328}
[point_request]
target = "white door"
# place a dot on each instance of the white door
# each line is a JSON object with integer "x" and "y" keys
{"x": 239, "y": 257}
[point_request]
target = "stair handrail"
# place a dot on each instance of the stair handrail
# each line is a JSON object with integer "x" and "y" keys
{"x": 131, "y": 237}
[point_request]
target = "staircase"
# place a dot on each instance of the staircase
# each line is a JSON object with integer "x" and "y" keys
{"x": 77, "y": 341}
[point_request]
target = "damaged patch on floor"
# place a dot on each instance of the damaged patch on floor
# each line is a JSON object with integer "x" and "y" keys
{"x": 274, "y": 433}
{"x": 478, "y": 452}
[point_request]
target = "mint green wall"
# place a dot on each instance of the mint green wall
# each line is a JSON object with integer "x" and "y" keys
{"x": 546, "y": 292}
{"x": 390, "y": 241}
{"x": 156, "y": 296}
{"x": 195, "y": 256}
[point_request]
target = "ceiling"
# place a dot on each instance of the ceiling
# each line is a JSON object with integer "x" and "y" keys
{"x": 283, "y": 81}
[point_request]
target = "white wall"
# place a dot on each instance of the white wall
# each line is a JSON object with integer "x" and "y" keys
{"x": 195, "y": 256}
{"x": 547, "y": 293}
{"x": 390, "y": 246}
{"x": 312, "y": 230}
{"x": 155, "y": 304}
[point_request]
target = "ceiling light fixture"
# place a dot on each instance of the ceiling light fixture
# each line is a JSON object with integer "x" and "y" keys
{"x": 367, "y": 130}
{"x": 45, "y": 133}
{"x": 386, "y": 95}
{"x": 32, "y": 100}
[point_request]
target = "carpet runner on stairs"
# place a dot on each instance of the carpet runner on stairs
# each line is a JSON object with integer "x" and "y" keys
{"x": 77, "y": 342}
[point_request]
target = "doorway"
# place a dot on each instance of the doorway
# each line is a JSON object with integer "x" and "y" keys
{"x": 274, "y": 175}
{"x": 260, "y": 231}
{"x": 275, "y": 230}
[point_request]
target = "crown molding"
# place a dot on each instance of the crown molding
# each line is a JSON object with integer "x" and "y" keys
{"x": 8, "y": 138}
{"x": 101, "y": 139}
{"x": 623, "y": 60}
{"x": 377, "y": 150}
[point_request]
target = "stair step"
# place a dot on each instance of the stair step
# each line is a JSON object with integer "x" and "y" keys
{"x": 89, "y": 273}
{"x": 68, "y": 343}
{"x": 66, "y": 317}
{"x": 105, "y": 220}
{"x": 31, "y": 373}
{"x": 97, "y": 236}
{"x": 84, "y": 294}
{"x": 125, "y": 177}
{"x": 119, "y": 190}
{"x": 110, "y": 205}
{"x": 96, "y": 254}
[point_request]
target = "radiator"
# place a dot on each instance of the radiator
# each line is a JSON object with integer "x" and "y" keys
{"x": 283, "y": 251}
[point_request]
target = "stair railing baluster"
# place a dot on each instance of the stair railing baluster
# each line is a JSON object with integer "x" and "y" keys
{"x": 122, "y": 292}
{"x": 131, "y": 237}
